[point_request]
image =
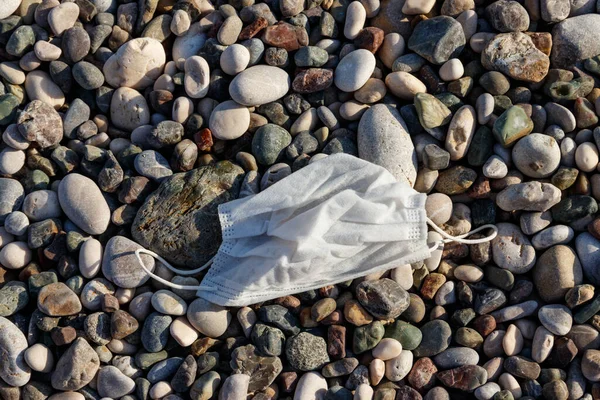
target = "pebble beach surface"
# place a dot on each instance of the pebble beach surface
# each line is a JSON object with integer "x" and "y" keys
{"x": 125, "y": 123}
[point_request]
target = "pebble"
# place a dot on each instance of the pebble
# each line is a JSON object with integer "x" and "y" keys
{"x": 397, "y": 368}
{"x": 383, "y": 124}
{"x": 90, "y": 258}
{"x": 229, "y": 120}
{"x": 259, "y": 85}
{"x": 556, "y": 318}
{"x": 197, "y": 77}
{"x": 81, "y": 200}
{"x": 129, "y": 109}
{"x": 120, "y": 264}
{"x": 76, "y": 367}
{"x": 588, "y": 250}
{"x": 39, "y": 357}
{"x": 13, "y": 344}
{"x": 354, "y": 70}
{"x": 167, "y": 302}
{"x": 437, "y": 39}
{"x": 136, "y": 64}
{"x": 209, "y": 319}
{"x": 113, "y": 383}
{"x": 15, "y": 255}
{"x": 512, "y": 250}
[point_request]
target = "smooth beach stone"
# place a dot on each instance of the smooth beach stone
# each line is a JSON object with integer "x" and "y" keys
{"x": 437, "y": 39}
{"x": 12, "y": 195}
{"x": 136, "y": 64}
{"x": 460, "y": 132}
{"x": 512, "y": 250}
{"x": 39, "y": 86}
{"x": 13, "y": 344}
{"x": 398, "y": 367}
{"x": 234, "y": 59}
{"x": 90, "y": 258}
{"x": 512, "y": 125}
{"x": 189, "y": 44}
{"x": 120, "y": 264}
{"x": 556, "y": 318}
{"x": 382, "y": 124}
{"x": 152, "y": 165}
{"x": 529, "y": 196}
{"x": 404, "y": 85}
{"x": 558, "y": 234}
{"x": 588, "y": 250}
{"x": 41, "y": 205}
{"x": 57, "y": 300}
{"x": 129, "y": 109}
{"x": 259, "y": 85}
{"x": 39, "y": 357}
{"x": 557, "y": 270}
{"x": 113, "y": 383}
{"x": 76, "y": 367}
{"x": 83, "y": 203}
{"x": 354, "y": 70}
{"x": 155, "y": 332}
{"x": 201, "y": 237}
{"x": 536, "y": 155}
{"x": 269, "y": 143}
{"x": 167, "y": 302}
{"x": 456, "y": 357}
{"x": 8, "y": 7}
{"x": 229, "y": 120}
{"x": 575, "y": 39}
{"x": 431, "y": 111}
{"x": 15, "y": 255}
{"x": 11, "y": 161}
{"x": 197, "y": 77}
{"x": 311, "y": 385}
{"x": 436, "y": 338}
{"x": 209, "y": 319}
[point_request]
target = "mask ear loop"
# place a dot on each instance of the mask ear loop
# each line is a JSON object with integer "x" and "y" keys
{"x": 460, "y": 239}
{"x": 169, "y": 266}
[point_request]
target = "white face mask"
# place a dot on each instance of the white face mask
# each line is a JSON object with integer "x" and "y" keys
{"x": 332, "y": 221}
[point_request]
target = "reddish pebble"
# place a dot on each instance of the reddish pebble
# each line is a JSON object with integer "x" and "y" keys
{"x": 336, "y": 342}
{"x": 253, "y": 29}
{"x": 313, "y": 80}
{"x": 370, "y": 39}
{"x": 422, "y": 374}
{"x": 286, "y": 36}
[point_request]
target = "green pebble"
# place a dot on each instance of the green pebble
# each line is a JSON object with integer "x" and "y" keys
{"x": 482, "y": 147}
{"x": 431, "y": 111}
{"x": 367, "y": 337}
{"x": 512, "y": 125}
{"x": 565, "y": 177}
{"x": 8, "y": 108}
{"x": 408, "y": 335}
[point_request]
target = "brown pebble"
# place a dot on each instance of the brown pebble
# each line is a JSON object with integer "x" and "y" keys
{"x": 336, "y": 342}
{"x": 203, "y": 139}
{"x": 369, "y": 38}
{"x": 253, "y": 29}
{"x": 306, "y": 319}
{"x": 563, "y": 352}
{"x": 110, "y": 303}
{"x": 484, "y": 324}
{"x": 63, "y": 336}
{"x": 356, "y": 314}
{"x": 202, "y": 345}
{"x": 288, "y": 381}
{"x": 422, "y": 374}
{"x": 292, "y": 303}
{"x": 122, "y": 324}
{"x": 286, "y": 36}
{"x": 431, "y": 285}
{"x": 313, "y": 80}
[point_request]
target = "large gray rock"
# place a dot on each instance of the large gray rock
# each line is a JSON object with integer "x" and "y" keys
{"x": 77, "y": 366}
{"x": 11, "y": 197}
{"x": 180, "y": 219}
{"x": 13, "y": 369}
{"x": 575, "y": 39}
{"x": 383, "y": 139}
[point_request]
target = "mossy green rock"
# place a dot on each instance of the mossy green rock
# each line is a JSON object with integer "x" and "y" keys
{"x": 512, "y": 125}
{"x": 431, "y": 111}
{"x": 8, "y": 108}
{"x": 191, "y": 235}
{"x": 269, "y": 143}
{"x": 482, "y": 147}
{"x": 366, "y": 337}
{"x": 565, "y": 177}
{"x": 408, "y": 335}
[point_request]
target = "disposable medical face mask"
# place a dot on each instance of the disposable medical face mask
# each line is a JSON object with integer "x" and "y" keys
{"x": 332, "y": 221}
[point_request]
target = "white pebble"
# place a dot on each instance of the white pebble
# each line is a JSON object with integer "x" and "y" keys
{"x": 586, "y": 157}
{"x": 452, "y": 70}
{"x": 39, "y": 357}
{"x": 234, "y": 59}
{"x": 90, "y": 258}
{"x": 183, "y": 332}
{"x": 15, "y": 255}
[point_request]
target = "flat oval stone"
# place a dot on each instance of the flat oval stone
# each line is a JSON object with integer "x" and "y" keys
{"x": 383, "y": 139}
{"x": 467, "y": 377}
{"x": 354, "y": 70}
{"x": 208, "y": 318}
{"x": 197, "y": 77}
{"x": 259, "y": 85}
{"x": 40, "y": 86}
{"x": 556, "y": 318}
{"x": 151, "y": 164}
{"x": 167, "y": 302}
{"x": 437, "y": 336}
{"x": 113, "y": 383}
{"x": 13, "y": 369}
{"x": 199, "y": 236}
{"x": 120, "y": 264}
{"x": 456, "y": 357}
{"x": 83, "y": 203}
{"x": 557, "y": 270}
{"x": 137, "y": 64}
{"x": 588, "y": 250}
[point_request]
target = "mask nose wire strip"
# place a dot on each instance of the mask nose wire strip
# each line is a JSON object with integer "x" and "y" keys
{"x": 460, "y": 239}
{"x": 166, "y": 263}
